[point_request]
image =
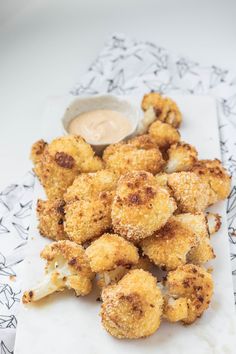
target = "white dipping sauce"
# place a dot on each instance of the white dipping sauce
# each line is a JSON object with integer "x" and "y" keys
{"x": 101, "y": 126}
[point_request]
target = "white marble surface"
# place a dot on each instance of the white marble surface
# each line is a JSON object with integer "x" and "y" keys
{"x": 66, "y": 324}
{"x": 46, "y": 46}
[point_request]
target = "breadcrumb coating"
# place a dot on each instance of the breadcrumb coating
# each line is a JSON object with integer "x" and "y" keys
{"x": 88, "y": 219}
{"x": 190, "y": 192}
{"x": 194, "y": 284}
{"x": 175, "y": 309}
{"x": 169, "y": 247}
{"x": 133, "y": 307}
{"x": 88, "y": 205}
{"x": 58, "y": 163}
{"x": 213, "y": 222}
{"x": 197, "y": 223}
{"x": 91, "y": 185}
{"x": 181, "y": 157}
{"x": 111, "y": 277}
{"x": 110, "y": 251}
{"x": 140, "y": 206}
{"x": 163, "y": 134}
{"x": 163, "y": 108}
{"x": 218, "y": 179}
{"x": 51, "y": 217}
{"x": 67, "y": 267}
{"x": 138, "y": 154}
{"x": 37, "y": 150}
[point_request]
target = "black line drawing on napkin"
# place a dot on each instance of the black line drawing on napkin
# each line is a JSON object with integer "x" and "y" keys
{"x": 4, "y": 349}
{"x": 7, "y": 296}
{"x": 3, "y": 228}
{"x": 217, "y": 76}
{"x": 25, "y": 210}
{"x": 21, "y": 230}
{"x": 8, "y": 321}
{"x": 9, "y": 189}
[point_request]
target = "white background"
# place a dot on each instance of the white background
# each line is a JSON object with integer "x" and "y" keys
{"x": 46, "y": 45}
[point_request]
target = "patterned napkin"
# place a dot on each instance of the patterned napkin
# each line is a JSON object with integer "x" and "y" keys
{"x": 123, "y": 67}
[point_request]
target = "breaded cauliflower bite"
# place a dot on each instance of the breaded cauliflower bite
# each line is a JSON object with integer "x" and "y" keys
{"x": 58, "y": 163}
{"x": 213, "y": 222}
{"x": 190, "y": 192}
{"x": 88, "y": 205}
{"x": 141, "y": 153}
{"x": 197, "y": 223}
{"x": 192, "y": 284}
{"x": 181, "y": 157}
{"x": 51, "y": 217}
{"x": 218, "y": 179}
{"x": 162, "y": 108}
{"x": 111, "y": 277}
{"x": 140, "y": 206}
{"x": 67, "y": 267}
{"x": 133, "y": 307}
{"x": 169, "y": 247}
{"x": 163, "y": 134}
{"x": 110, "y": 251}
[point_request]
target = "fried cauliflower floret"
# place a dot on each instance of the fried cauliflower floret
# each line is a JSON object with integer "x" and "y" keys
{"x": 190, "y": 192}
{"x": 61, "y": 161}
{"x": 197, "y": 223}
{"x": 181, "y": 157}
{"x": 213, "y": 222}
{"x": 88, "y": 219}
{"x": 218, "y": 179}
{"x": 133, "y": 307}
{"x": 51, "y": 218}
{"x": 110, "y": 251}
{"x": 88, "y": 205}
{"x": 169, "y": 247}
{"x": 111, "y": 277}
{"x": 91, "y": 185}
{"x": 67, "y": 267}
{"x": 194, "y": 284}
{"x": 37, "y": 150}
{"x": 162, "y": 108}
{"x": 139, "y": 154}
{"x": 140, "y": 206}
{"x": 175, "y": 309}
{"x": 163, "y": 134}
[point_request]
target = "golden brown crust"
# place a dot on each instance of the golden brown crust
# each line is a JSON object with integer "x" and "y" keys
{"x": 61, "y": 161}
{"x": 215, "y": 175}
{"x": 194, "y": 284}
{"x": 91, "y": 185}
{"x": 164, "y": 108}
{"x": 133, "y": 307}
{"x": 110, "y": 251}
{"x": 169, "y": 247}
{"x": 190, "y": 192}
{"x": 175, "y": 309}
{"x": 51, "y": 217}
{"x": 140, "y": 206}
{"x": 197, "y": 223}
{"x": 73, "y": 254}
{"x": 67, "y": 267}
{"x": 113, "y": 276}
{"x": 213, "y": 222}
{"x": 37, "y": 150}
{"x": 163, "y": 134}
{"x": 139, "y": 154}
{"x": 88, "y": 208}
{"x": 181, "y": 157}
{"x": 88, "y": 219}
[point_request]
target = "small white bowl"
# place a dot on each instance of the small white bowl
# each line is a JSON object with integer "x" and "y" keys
{"x": 89, "y": 103}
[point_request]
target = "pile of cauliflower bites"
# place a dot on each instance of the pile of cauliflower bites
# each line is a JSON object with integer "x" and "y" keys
{"x": 137, "y": 211}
